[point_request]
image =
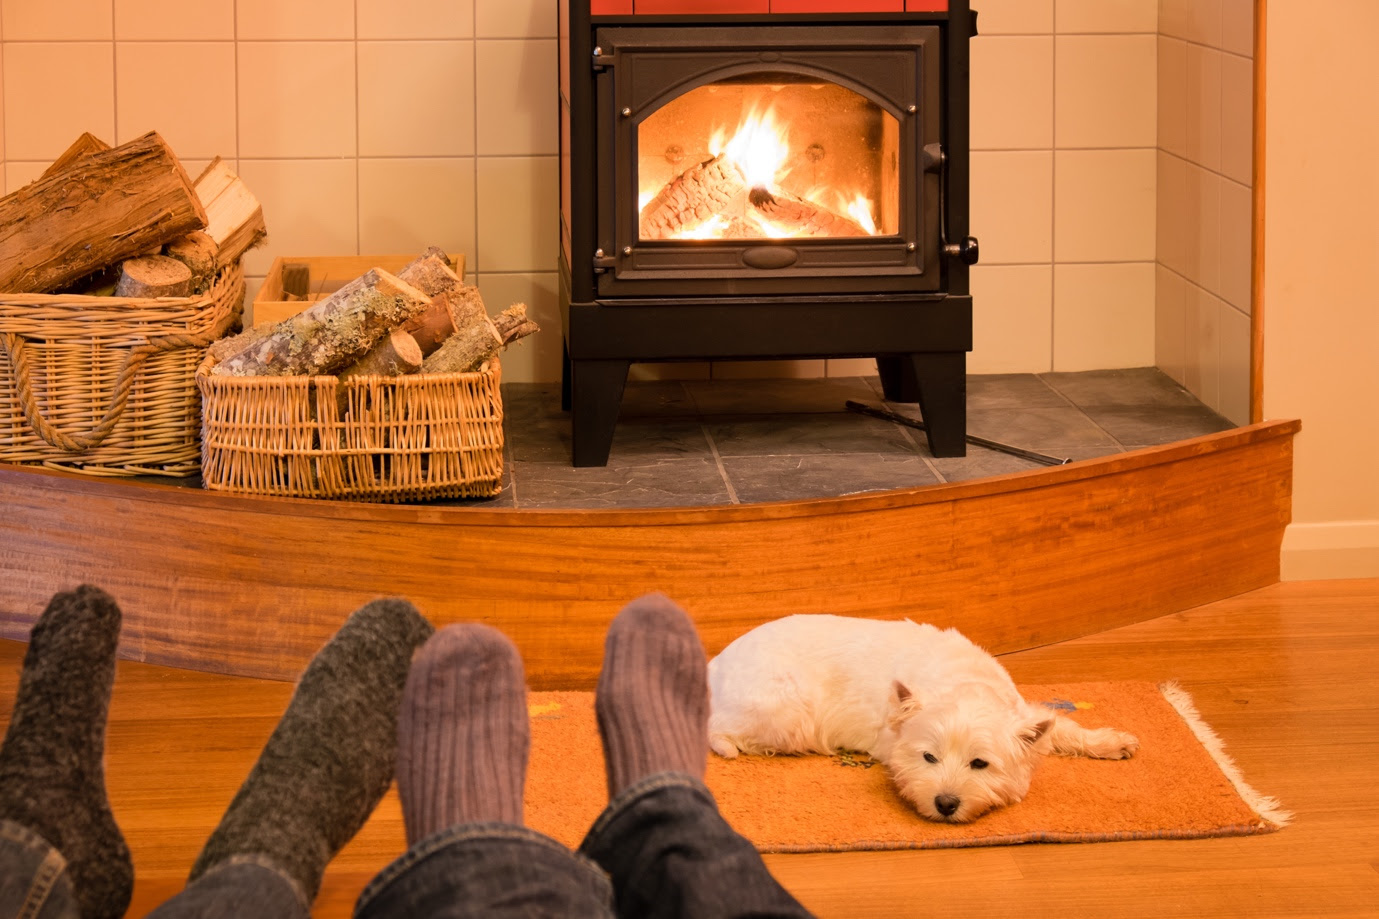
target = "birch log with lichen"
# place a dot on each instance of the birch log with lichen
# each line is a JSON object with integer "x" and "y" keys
{"x": 333, "y": 333}
{"x": 480, "y": 341}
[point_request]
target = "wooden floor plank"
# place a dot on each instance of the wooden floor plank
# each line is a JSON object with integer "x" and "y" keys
{"x": 1284, "y": 674}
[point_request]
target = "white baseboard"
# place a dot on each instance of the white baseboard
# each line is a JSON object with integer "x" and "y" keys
{"x": 1338, "y": 549}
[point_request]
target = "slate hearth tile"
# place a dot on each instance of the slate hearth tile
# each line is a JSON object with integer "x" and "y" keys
{"x": 1062, "y": 432}
{"x": 720, "y": 397}
{"x": 657, "y": 399}
{"x": 980, "y": 463}
{"x": 635, "y": 442}
{"x": 1135, "y": 386}
{"x": 1010, "y": 390}
{"x": 1138, "y": 426}
{"x": 675, "y": 482}
{"x": 799, "y": 478}
{"x": 796, "y": 435}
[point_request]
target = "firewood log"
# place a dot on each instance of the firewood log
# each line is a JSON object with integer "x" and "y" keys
{"x": 712, "y": 187}
{"x": 152, "y": 276}
{"x": 431, "y": 275}
{"x": 395, "y": 355}
{"x": 479, "y": 341}
{"x": 333, "y": 333}
{"x": 796, "y": 217}
{"x": 234, "y": 216}
{"x": 198, "y": 252}
{"x": 82, "y": 147}
{"x": 101, "y": 209}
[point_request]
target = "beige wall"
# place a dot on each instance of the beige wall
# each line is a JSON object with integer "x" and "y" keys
{"x": 1205, "y": 157}
{"x": 1321, "y": 276}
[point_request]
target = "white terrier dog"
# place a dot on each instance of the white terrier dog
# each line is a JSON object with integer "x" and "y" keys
{"x": 942, "y": 715}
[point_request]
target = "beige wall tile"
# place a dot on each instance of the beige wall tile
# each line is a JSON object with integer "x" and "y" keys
{"x": 1015, "y": 17}
{"x": 196, "y": 117}
{"x": 47, "y": 20}
{"x": 1172, "y": 101}
{"x": 19, "y": 174}
{"x": 1204, "y": 346}
{"x": 77, "y": 81}
{"x": 1103, "y": 316}
{"x": 431, "y": 19}
{"x": 406, "y": 205}
{"x": 851, "y": 367}
{"x": 294, "y": 19}
{"x": 519, "y": 217}
{"x": 516, "y": 110}
{"x": 1171, "y": 213}
{"x": 1107, "y": 16}
{"x": 1203, "y": 240}
{"x": 1104, "y": 204}
{"x": 1238, "y": 26}
{"x": 1204, "y": 106}
{"x": 1236, "y": 227}
{"x": 1105, "y": 88}
{"x": 1235, "y": 365}
{"x": 311, "y": 208}
{"x": 767, "y": 370}
{"x": 296, "y": 99}
{"x": 1175, "y": 18}
{"x": 1237, "y": 118}
{"x": 1012, "y": 206}
{"x": 1204, "y": 22}
{"x": 1012, "y": 92}
{"x": 536, "y": 358}
{"x": 1170, "y": 323}
{"x": 405, "y": 98}
{"x": 174, "y": 20}
{"x": 1012, "y": 319}
{"x": 515, "y": 19}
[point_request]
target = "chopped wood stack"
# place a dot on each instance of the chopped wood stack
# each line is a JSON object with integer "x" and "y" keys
{"x": 124, "y": 221}
{"x": 424, "y": 319}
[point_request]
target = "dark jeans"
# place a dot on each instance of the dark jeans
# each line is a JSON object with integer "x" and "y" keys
{"x": 660, "y": 849}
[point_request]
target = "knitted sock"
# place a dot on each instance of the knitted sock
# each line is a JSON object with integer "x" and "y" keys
{"x": 653, "y": 699}
{"x": 331, "y": 757}
{"x": 52, "y": 774}
{"x": 463, "y": 734}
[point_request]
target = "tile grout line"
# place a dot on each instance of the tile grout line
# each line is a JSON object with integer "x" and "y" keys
{"x": 1064, "y": 396}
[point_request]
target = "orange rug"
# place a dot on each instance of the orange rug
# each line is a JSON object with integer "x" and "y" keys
{"x": 1180, "y": 785}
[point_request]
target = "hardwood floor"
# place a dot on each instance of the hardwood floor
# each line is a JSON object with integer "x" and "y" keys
{"x": 1286, "y": 675}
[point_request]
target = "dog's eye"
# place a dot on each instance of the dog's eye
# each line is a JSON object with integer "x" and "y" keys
{"x": 978, "y": 764}
{"x": 930, "y": 758}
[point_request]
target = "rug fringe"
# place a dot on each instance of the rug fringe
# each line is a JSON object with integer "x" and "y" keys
{"x": 1268, "y": 808}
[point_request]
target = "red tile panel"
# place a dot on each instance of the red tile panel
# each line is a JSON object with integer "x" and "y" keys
{"x": 926, "y": 6}
{"x": 838, "y": 6}
{"x": 703, "y": 6}
{"x": 610, "y": 7}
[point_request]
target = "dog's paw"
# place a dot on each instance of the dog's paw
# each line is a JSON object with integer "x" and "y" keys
{"x": 1111, "y": 744}
{"x": 720, "y": 744}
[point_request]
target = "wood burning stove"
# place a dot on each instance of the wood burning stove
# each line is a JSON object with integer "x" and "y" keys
{"x": 743, "y": 181}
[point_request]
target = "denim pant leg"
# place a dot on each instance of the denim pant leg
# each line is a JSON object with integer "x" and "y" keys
{"x": 488, "y": 871}
{"x": 670, "y": 854}
{"x": 243, "y": 886}
{"x": 34, "y": 883}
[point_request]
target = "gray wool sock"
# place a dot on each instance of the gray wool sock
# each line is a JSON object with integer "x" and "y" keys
{"x": 463, "y": 734}
{"x": 652, "y": 700}
{"x": 52, "y": 772}
{"x": 331, "y": 757}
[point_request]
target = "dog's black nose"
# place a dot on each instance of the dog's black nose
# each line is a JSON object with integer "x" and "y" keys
{"x": 947, "y": 804}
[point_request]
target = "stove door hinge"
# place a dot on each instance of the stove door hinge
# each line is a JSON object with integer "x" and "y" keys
{"x": 602, "y": 262}
{"x": 601, "y": 60}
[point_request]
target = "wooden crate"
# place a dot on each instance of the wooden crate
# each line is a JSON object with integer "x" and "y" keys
{"x": 317, "y": 277}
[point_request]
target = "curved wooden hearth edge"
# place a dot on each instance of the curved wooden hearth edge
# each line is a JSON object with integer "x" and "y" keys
{"x": 253, "y": 586}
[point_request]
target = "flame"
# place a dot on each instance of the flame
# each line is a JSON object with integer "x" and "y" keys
{"x": 760, "y": 149}
{"x": 860, "y": 210}
{"x": 710, "y": 229}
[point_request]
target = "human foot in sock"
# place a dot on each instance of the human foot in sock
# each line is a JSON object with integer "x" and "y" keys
{"x": 463, "y": 734}
{"x": 52, "y": 774}
{"x": 331, "y": 757}
{"x": 652, "y": 701}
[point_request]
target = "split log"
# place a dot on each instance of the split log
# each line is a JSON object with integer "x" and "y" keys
{"x": 152, "y": 276}
{"x": 234, "y": 216}
{"x": 82, "y": 147}
{"x": 479, "y": 341}
{"x": 198, "y": 252}
{"x": 713, "y": 187}
{"x": 395, "y": 355}
{"x": 796, "y": 217}
{"x": 102, "y": 209}
{"x": 431, "y": 275}
{"x": 333, "y": 333}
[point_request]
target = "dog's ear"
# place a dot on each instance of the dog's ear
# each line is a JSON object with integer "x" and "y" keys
{"x": 1030, "y": 732}
{"x": 902, "y": 705}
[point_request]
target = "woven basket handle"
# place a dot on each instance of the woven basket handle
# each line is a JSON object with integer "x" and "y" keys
{"x": 14, "y": 347}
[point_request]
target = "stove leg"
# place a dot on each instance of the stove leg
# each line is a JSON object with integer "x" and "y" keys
{"x": 897, "y": 378}
{"x": 596, "y": 389}
{"x": 941, "y": 380}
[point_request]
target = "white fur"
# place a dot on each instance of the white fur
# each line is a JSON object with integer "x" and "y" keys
{"x": 905, "y": 693}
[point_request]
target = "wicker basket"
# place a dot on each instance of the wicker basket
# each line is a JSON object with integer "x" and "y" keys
{"x": 379, "y": 438}
{"x": 105, "y": 385}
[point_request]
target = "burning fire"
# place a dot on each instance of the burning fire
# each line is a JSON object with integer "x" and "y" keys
{"x": 739, "y": 194}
